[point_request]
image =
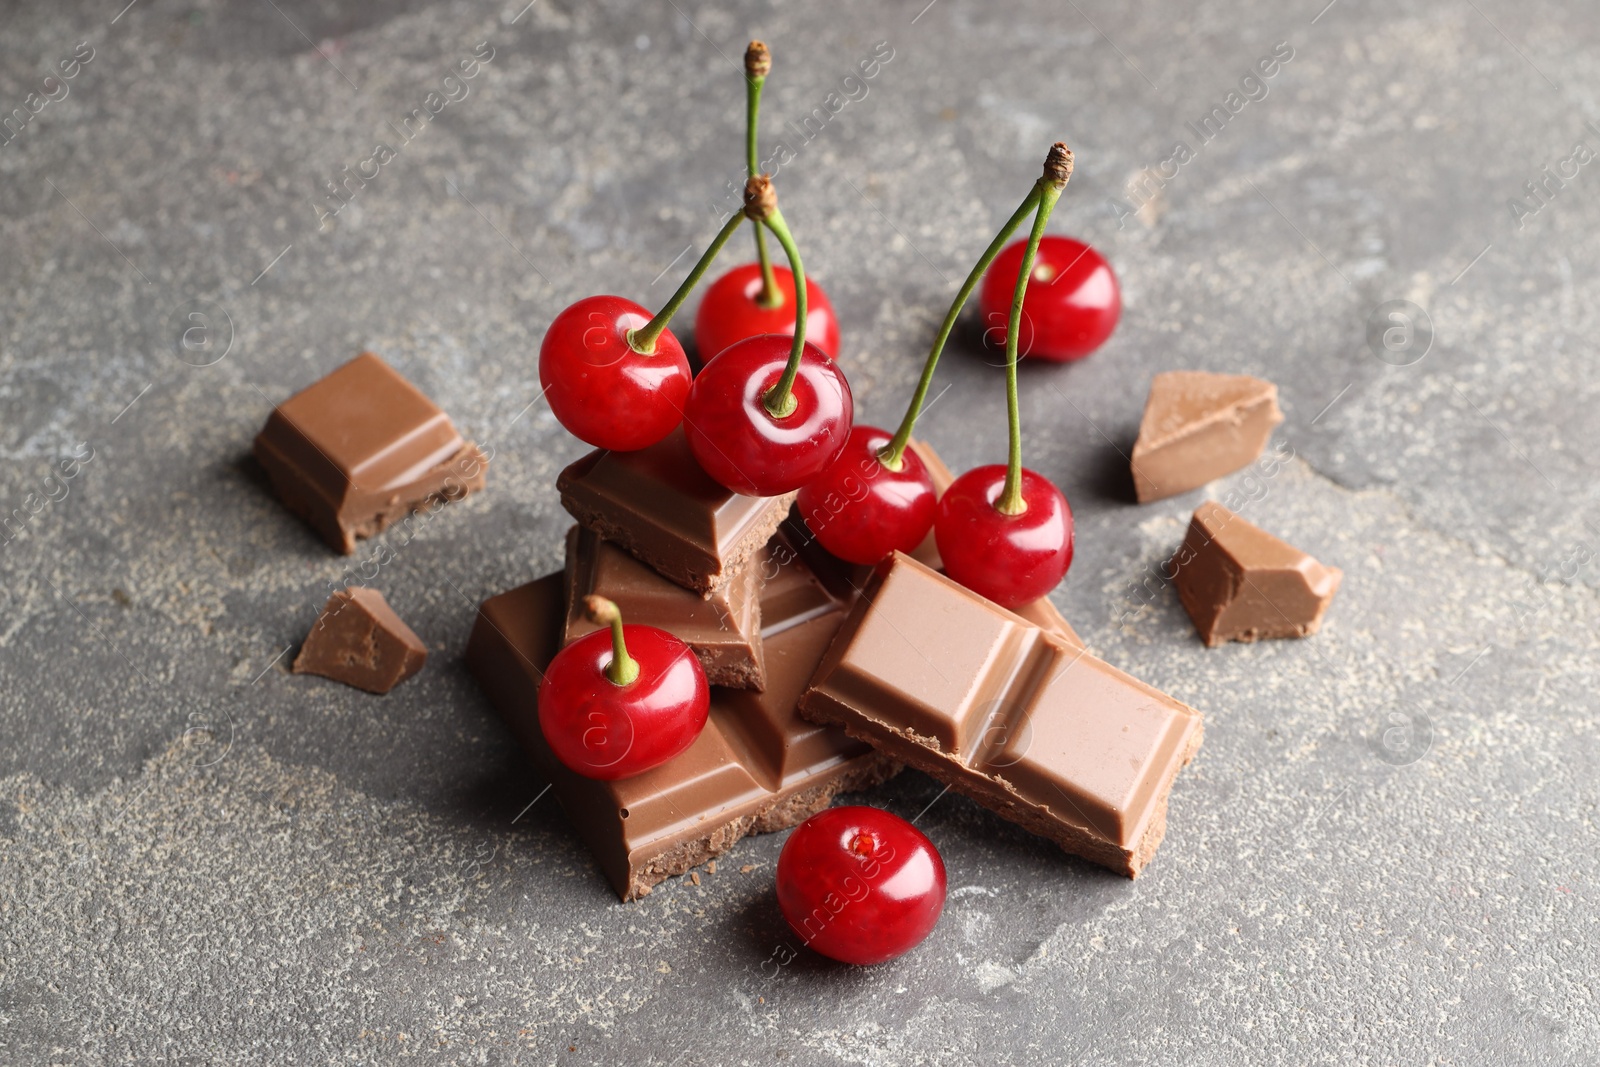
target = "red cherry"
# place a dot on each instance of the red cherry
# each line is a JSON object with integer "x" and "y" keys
{"x": 1011, "y": 559}
{"x": 604, "y": 730}
{"x": 860, "y": 885}
{"x": 745, "y": 447}
{"x": 1072, "y": 304}
{"x": 729, "y": 312}
{"x": 861, "y": 510}
{"x": 603, "y": 391}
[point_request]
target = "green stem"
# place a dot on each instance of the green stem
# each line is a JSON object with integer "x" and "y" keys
{"x": 891, "y": 453}
{"x": 643, "y": 340}
{"x": 779, "y": 401}
{"x": 770, "y": 296}
{"x": 623, "y": 668}
{"x": 1011, "y": 502}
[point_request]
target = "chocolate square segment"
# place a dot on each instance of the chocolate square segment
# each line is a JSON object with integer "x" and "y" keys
{"x": 723, "y": 631}
{"x": 1006, "y": 713}
{"x": 362, "y": 447}
{"x": 659, "y": 505}
{"x": 1105, "y": 743}
{"x": 756, "y": 767}
{"x": 942, "y": 662}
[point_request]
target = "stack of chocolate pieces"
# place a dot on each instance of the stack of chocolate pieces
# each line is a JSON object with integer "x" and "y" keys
{"x": 678, "y": 551}
{"x": 826, "y": 678}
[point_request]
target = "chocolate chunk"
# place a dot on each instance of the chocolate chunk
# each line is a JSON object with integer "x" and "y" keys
{"x": 756, "y": 767}
{"x": 659, "y": 505}
{"x": 724, "y": 631}
{"x": 1239, "y": 583}
{"x": 360, "y": 641}
{"x": 846, "y": 579}
{"x": 1003, "y": 712}
{"x": 1199, "y": 426}
{"x": 362, "y": 447}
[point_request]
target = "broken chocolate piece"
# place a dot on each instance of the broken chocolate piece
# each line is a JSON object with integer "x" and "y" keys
{"x": 1239, "y": 583}
{"x": 362, "y": 447}
{"x": 756, "y": 767}
{"x": 659, "y": 505}
{"x": 1199, "y": 426}
{"x": 1001, "y": 711}
{"x": 724, "y": 631}
{"x": 360, "y": 641}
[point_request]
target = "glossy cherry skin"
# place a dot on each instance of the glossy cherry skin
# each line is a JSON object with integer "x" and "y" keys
{"x": 599, "y": 388}
{"x": 742, "y": 446}
{"x": 860, "y": 885}
{"x": 1011, "y": 559}
{"x": 603, "y": 730}
{"x": 861, "y": 510}
{"x": 729, "y": 312}
{"x": 1072, "y": 304}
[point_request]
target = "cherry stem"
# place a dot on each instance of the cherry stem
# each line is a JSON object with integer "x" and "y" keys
{"x": 623, "y": 668}
{"x": 1011, "y": 501}
{"x": 779, "y": 400}
{"x": 770, "y": 296}
{"x": 891, "y": 454}
{"x": 643, "y": 340}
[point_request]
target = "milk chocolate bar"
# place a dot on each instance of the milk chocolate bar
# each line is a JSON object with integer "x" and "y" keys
{"x": 659, "y": 505}
{"x": 1199, "y": 426}
{"x": 362, "y": 447}
{"x": 724, "y": 631}
{"x": 1003, "y": 712}
{"x": 756, "y": 767}
{"x": 1239, "y": 583}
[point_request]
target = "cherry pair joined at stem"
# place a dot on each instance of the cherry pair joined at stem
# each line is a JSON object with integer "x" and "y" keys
{"x": 609, "y": 714}
{"x": 860, "y": 885}
{"x": 1004, "y": 532}
{"x": 760, "y": 422}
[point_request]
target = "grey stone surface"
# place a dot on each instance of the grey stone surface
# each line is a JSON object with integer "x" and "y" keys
{"x": 1385, "y": 852}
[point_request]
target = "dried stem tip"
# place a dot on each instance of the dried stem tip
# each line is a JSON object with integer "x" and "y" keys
{"x": 760, "y": 198}
{"x": 757, "y": 60}
{"x": 601, "y": 612}
{"x": 1058, "y": 165}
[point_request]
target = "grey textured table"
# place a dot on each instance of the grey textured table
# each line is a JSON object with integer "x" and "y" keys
{"x": 1385, "y": 852}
